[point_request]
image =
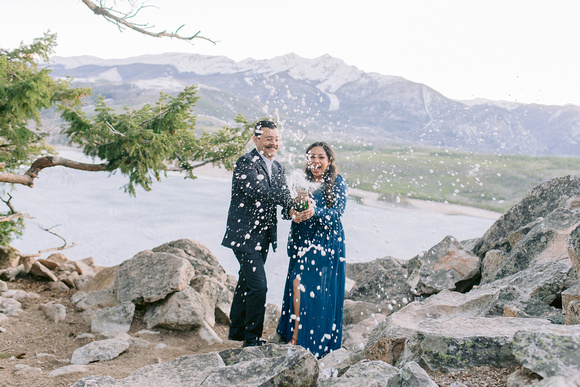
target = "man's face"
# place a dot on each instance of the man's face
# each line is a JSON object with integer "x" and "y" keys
{"x": 267, "y": 144}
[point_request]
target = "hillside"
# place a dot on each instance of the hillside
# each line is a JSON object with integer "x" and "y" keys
{"x": 325, "y": 98}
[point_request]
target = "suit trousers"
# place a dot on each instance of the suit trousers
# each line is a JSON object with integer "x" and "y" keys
{"x": 249, "y": 303}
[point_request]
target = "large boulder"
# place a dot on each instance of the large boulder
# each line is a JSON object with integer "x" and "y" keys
{"x": 200, "y": 257}
{"x": 549, "y": 350}
{"x": 183, "y": 371}
{"x": 547, "y": 241}
{"x": 539, "y": 202}
{"x": 382, "y": 282}
{"x": 447, "y": 265}
{"x": 150, "y": 277}
{"x": 183, "y": 310}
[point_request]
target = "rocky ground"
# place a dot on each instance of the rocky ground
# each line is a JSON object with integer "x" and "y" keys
{"x": 32, "y": 339}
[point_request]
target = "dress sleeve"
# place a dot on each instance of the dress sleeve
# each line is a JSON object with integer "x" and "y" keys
{"x": 334, "y": 213}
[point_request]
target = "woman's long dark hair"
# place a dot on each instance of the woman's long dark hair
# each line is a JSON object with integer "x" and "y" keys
{"x": 330, "y": 174}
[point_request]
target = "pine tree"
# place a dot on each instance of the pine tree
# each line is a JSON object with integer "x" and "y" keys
{"x": 142, "y": 144}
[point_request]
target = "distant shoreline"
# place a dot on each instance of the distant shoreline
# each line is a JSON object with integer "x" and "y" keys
{"x": 368, "y": 198}
{"x": 372, "y": 199}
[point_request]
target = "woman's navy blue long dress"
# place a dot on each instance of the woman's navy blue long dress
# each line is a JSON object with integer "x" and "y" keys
{"x": 318, "y": 257}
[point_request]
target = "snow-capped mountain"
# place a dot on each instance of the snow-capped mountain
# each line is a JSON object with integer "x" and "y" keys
{"x": 326, "y": 98}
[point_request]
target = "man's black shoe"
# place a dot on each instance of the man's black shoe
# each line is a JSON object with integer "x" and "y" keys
{"x": 235, "y": 338}
{"x": 254, "y": 343}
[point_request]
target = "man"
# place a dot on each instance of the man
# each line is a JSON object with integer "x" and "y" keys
{"x": 258, "y": 187}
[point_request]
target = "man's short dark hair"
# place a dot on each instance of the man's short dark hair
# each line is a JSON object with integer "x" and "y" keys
{"x": 263, "y": 124}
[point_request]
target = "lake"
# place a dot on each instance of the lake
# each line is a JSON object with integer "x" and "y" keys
{"x": 91, "y": 210}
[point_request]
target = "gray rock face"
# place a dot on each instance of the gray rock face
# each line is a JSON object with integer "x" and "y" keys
{"x": 574, "y": 248}
{"x": 443, "y": 266}
{"x": 382, "y": 282}
{"x": 364, "y": 373}
{"x": 549, "y": 350}
{"x": 184, "y": 310}
{"x": 200, "y": 257}
{"x": 285, "y": 365}
{"x": 183, "y": 371}
{"x": 113, "y": 320}
{"x": 546, "y": 242}
{"x": 459, "y": 343}
{"x": 411, "y": 375}
{"x": 357, "y": 311}
{"x": 53, "y": 311}
{"x": 150, "y": 277}
{"x": 99, "y": 351}
{"x": 540, "y": 201}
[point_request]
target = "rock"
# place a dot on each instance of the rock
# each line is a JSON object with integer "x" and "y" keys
{"x": 559, "y": 381}
{"x": 10, "y": 307}
{"x": 522, "y": 377}
{"x": 218, "y": 295}
{"x": 183, "y": 371}
{"x": 533, "y": 308}
{"x": 42, "y": 271}
{"x": 150, "y": 277}
{"x": 539, "y": 202}
{"x": 3, "y": 318}
{"x": 549, "y": 350}
{"x": 20, "y": 295}
{"x": 382, "y": 282}
{"x": 447, "y": 265}
{"x": 411, "y": 375}
{"x": 58, "y": 286}
{"x": 99, "y": 350}
{"x": 23, "y": 369}
{"x": 491, "y": 261}
{"x": 50, "y": 265}
{"x": 272, "y": 316}
{"x": 284, "y": 365}
{"x": 357, "y": 311}
{"x": 546, "y": 242}
{"x": 3, "y": 286}
{"x": 574, "y": 248}
{"x": 182, "y": 310}
{"x": 53, "y": 311}
{"x": 11, "y": 273}
{"x": 67, "y": 370}
{"x": 200, "y": 257}
{"x": 84, "y": 269}
{"x": 364, "y": 373}
{"x": 424, "y": 330}
{"x": 27, "y": 263}
{"x": 355, "y": 337}
{"x": 573, "y": 313}
{"x": 57, "y": 258}
{"x": 113, "y": 320}
{"x": 207, "y": 334}
{"x": 335, "y": 363}
{"x": 458, "y": 343}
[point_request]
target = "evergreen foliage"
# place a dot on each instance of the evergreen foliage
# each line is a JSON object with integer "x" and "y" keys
{"x": 142, "y": 144}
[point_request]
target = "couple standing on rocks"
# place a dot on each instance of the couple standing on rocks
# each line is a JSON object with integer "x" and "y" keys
{"x": 312, "y": 308}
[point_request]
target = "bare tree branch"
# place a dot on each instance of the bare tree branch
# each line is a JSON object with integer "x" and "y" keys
{"x": 45, "y": 162}
{"x": 13, "y": 213}
{"x": 121, "y": 22}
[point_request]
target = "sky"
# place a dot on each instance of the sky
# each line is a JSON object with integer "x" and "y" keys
{"x": 506, "y": 50}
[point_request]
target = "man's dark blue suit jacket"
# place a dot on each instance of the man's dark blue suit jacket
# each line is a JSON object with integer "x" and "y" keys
{"x": 255, "y": 197}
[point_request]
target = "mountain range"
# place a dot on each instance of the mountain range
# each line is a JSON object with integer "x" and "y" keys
{"x": 324, "y": 98}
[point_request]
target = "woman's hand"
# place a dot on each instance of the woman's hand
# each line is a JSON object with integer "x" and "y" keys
{"x": 301, "y": 216}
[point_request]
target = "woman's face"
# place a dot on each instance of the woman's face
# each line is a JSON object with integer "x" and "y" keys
{"x": 318, "y": 162}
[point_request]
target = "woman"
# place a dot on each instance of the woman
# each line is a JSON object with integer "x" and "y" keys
{"x": 314, "y": 291}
